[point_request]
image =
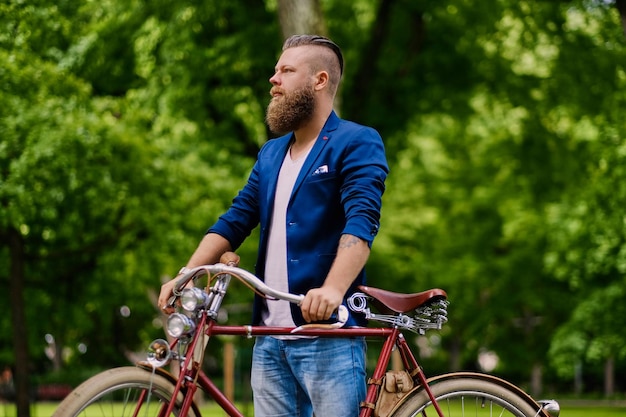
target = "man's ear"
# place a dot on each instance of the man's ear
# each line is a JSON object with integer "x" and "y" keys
{"x": 321, "y": 80}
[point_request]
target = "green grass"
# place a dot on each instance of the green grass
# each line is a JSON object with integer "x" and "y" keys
{"x": 211, "y": 410}
{"x": 593, "y": 412}
{"x": 46, "y": 410}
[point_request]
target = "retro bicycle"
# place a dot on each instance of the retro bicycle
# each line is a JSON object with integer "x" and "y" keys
{"x": 149, "y": 390}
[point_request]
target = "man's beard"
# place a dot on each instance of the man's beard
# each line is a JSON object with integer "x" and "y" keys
{"x": 291, "y": 111}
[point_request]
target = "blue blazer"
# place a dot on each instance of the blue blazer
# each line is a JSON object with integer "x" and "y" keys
{"x": 338, "y": 191}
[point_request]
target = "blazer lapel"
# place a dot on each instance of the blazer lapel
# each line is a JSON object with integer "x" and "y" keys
{"x": 273, "y": 171}
{"x": 324, "y": 137}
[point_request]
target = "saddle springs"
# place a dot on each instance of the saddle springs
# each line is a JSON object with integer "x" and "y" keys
{"x": 415, "y": 312}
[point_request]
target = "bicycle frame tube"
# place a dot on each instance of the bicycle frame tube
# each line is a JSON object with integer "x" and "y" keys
{"x": 194, "y": 377}
{"x": 217, "y": 395}
{"x": 381, "y": 366}
{"x": 410, "y": 363}
{"x": 388, "y": 335}
{"x": 251, "y": 331}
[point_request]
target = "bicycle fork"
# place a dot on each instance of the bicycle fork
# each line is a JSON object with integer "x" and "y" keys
{"x": 191, "y": 377}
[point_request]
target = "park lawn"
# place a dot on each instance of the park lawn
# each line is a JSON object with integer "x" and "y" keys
{"x": 45, "y": 409}
{"x": 212, "y": 410}
{"x": 593, "y": 412}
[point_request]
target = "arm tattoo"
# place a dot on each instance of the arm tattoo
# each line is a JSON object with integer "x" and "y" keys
{"x": 347, "y": 241}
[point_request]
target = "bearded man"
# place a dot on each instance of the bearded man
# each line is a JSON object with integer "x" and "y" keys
{"x": 316, "y": 193}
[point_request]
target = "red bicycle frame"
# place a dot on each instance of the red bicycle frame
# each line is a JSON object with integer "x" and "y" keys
{"x": 193, "y": 377}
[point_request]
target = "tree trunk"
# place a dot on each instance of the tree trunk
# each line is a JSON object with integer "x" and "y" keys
{"x": 18, "y": 319}
{"x": 304, "y": 17}
{"x": 578, "y": 378}
{"x": 301, "y": 17}
{"x": 609, "y": 377}
{"x": 621, "y": 8}
{"x": 454, "y": 351}
{"x": 536, "y": 380}
{"x": 371, "y": 53}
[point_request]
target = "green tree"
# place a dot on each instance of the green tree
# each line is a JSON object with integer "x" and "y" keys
{"x": 126, "y": 127}
{"x": 496, "y": 136}
{"x": 109, "y": 167}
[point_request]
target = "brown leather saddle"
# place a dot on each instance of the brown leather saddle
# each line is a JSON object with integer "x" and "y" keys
{"x": 389, "y": 301}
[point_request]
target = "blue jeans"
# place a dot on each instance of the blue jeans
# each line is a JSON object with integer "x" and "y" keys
{"x": 324, "y": 377}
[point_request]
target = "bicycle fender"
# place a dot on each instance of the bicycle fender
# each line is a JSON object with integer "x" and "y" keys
{"x": 486, "y": 377}
{"x": 160, "y": 371}
{"x": 167, "y": 375}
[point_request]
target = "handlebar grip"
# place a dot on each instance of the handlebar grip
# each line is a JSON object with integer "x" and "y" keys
{"x": 341, "y": 314}
{"x": 230, "y": 258}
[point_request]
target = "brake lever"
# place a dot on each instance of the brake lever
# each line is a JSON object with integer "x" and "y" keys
{"x": 170, "y": 302}
{"x": 188, "y": 277}
{"x": 227, "y": 258}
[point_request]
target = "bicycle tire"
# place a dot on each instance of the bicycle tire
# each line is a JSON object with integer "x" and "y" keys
{"x": 115, "y": 393}
{"x": 468, "y": 394}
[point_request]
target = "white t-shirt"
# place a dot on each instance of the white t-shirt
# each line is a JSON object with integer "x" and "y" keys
{"x": 278, "y": 311}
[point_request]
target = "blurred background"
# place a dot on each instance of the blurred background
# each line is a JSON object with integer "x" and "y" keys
{"x": 127, "y": 127}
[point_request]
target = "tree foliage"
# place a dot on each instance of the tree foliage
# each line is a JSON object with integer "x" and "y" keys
{"x": 126, "y": 127}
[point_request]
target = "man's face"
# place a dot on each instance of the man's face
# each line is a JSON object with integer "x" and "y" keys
{"x": 293, "y": 94}
{"x": 291, "y": 110}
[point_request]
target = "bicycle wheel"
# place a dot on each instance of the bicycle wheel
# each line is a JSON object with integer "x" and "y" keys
{"x": 122, "y": 392}
{"x": 469, "y": 395}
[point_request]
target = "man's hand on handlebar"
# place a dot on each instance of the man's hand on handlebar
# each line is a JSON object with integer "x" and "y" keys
{"x": 321, "y": 303}
{"x": 167, "y": 291}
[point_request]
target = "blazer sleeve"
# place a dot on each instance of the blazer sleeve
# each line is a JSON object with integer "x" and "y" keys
{"x": 364, "y": 171}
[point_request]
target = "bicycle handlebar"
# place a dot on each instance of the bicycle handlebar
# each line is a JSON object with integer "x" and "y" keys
{"x": 428, "y": 311}
{"x": 239, "y": 273}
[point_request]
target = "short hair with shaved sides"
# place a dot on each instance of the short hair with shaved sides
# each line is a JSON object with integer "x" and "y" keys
{"x": 331, "y": 59}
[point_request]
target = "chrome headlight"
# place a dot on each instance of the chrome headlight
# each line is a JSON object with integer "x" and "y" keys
{"x": 193, "y": 298}
{"x": 179, "y": 325}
